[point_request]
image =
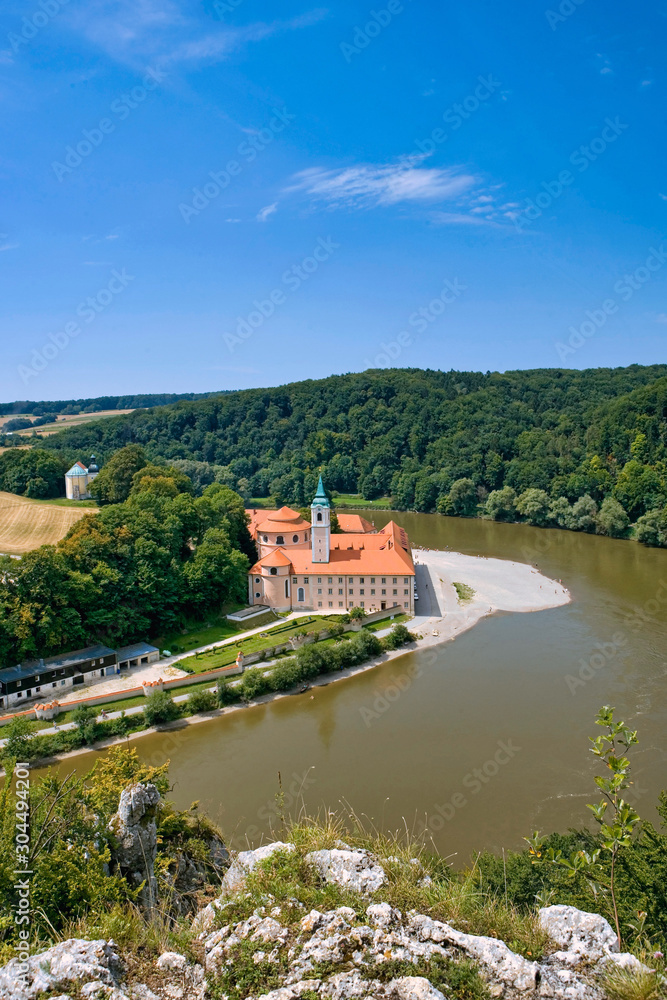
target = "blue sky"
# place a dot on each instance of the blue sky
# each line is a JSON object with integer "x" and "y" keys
{"x": 228, "y": 193}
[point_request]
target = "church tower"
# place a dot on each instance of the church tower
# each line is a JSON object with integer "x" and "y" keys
{"x": 320, "y": 510}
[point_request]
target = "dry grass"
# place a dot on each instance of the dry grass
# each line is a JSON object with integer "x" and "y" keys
{"x": 66, "y": 420}
{"x": 27, "y": 524}
{"x": 629, "y": 984}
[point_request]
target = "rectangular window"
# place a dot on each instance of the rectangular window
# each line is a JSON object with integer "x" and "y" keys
{"x": 372, "y": 592}
{"x": 394, "y": 580}
{"x": 330, "y": 591}
{"x": 55, "y": 684}
{"x": 340, "y": 604}
{"x": 362, "y": 592}
{"x": 372, "y": 579}
{"x": 361, "y": 605}
{"x": 361, "y": 580}
{"x": 319, "y": 579}
{"x": 340, "y": 591}
{"x": 406, "y": 593}
{"x": 295, "y": 579}
{"x": 319, "y": 591}
{"x": 340, "y": 579}
{"x": 406, "y": 579}
{"x": 306, "y": 579}
{"x": 319, "y": 604}
{"x": 330, "y": 579}
{"x": 405, "y": 605}
{"x": 383, "y": 580}
{"x": 331, "y": 604}
{"x": 395, "y": 593}
{"x": 384, "y": 593}
{"x": 351, "y": 593}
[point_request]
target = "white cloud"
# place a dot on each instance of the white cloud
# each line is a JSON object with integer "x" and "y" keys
{"x": 663, "y": 196}
{"x": 371, "y": 185}
{"x": 267, "y": 211}
{"x": 140, "y": 31}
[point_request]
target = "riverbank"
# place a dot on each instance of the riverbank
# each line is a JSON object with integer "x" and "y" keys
{"x": 497, "y": 585}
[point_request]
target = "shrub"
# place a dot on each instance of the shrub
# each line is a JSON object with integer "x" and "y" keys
{"x": 286, "y": 675}
{"x": 612, "y": 519}
{"x": 159, "y": 708}
{"x": 202, "y": 701}
{"x": 398, "y": 637}
{"x": 227, "y": 694}
{"x": 254, "y": 683}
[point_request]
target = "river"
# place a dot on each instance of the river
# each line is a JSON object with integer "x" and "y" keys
{"x": 476, "y": 746}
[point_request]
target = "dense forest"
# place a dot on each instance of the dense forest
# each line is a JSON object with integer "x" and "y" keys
{"x": 40, "y": 408}
{"x": 134, "y": 569}
{"x": 579, "y": 449}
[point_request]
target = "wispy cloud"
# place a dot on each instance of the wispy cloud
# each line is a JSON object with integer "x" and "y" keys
{"x": 661, "y": 318}
{"x": 4, "y": 245}
{"x": 267, "y": 211}
{"x": 137, "y": 31}
{"x": 372, "y": 185}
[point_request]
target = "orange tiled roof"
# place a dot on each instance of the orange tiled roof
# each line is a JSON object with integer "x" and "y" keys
{"x": 281, "y": 521}
{"x": 354, "y": 523}
{"x": 386, "y": 553}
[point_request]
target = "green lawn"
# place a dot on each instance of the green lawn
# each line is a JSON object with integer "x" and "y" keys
{"x": 216, "y": 629}
{"x": 386, "y": 623}
{"x": 226, "y": 655}
{"x": 355, "y": 500}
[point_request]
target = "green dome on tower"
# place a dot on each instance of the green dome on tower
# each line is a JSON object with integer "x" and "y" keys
{"x": 321, "y": 499}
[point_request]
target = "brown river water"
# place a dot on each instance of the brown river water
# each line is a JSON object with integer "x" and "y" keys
{"x": 475, "y": 745}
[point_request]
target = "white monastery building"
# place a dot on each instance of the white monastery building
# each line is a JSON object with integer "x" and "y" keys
{"x": 304, "y": 567}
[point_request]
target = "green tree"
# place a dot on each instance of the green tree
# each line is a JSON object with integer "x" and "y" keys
{"x": 501, "y": 505}
{"x": 17, "y": 735}
{"x": 612, "y": 519}
{"x": 652, "y": 528}
{"x": 463, "y": 498}
{"x": 584, "y": 514}
{"x": 114, "y": 480}
{"x": 533, "y": 505}
{"x": 160, "y": 708}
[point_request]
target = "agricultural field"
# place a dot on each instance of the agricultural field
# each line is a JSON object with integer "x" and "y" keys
{"x": 63, "y": 421}
{"x": 27, "y": 524}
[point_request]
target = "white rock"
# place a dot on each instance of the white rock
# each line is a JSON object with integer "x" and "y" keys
{"x": 413, "y": 988}
{"x": 501, "y": 963}
{"x": 626, "y": 961}
{"x": 383, "y": 916}
{"x": 235, "y": 877}
{"x": 171, "y": 960}
{"x": 587, "y": 935}
{"x": 69, "y": 961}
{"x": 354, "y": 870}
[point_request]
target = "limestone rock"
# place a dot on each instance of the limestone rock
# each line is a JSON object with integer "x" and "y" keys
{"x": 497, "y": 959}
{"x": 586, "y": 936}
{"x": 67, "y": 962}
{"x": 135, "y": 833}
{"x": 172, "y": 961}
{"x": 354, "y": 870}
{"x": 413, "y": 988}
{"x": 234, "y": 880}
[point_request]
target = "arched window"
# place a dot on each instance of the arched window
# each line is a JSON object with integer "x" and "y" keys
{"x": 319, "y": 515}
{"x": 286, "y": 588}
{"x": 301, "y": 595}
{"x": 274, "y": 571}
{"x": 280, "y": 540}
{"x": 265, "y": 538}
{"x": 295, "y": 538}
{"x": 257, "y": 579}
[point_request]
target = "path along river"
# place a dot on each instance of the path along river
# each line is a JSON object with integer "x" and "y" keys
{"x": 479, "y": 742}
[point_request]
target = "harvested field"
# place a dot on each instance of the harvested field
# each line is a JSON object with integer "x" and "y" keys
{"x": 27, "y": 524}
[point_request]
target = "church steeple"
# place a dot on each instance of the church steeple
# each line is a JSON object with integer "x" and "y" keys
{"x": 321, "y": 525}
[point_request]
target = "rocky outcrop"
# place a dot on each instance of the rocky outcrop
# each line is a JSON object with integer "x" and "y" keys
{"x": 68, "y": 963}
{"x": 331, "y": 954}
{"x": 353, "y": 870}
{"x": 134, "y": 847}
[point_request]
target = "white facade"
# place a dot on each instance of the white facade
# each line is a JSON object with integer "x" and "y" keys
{"x": 78, "y": 480}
